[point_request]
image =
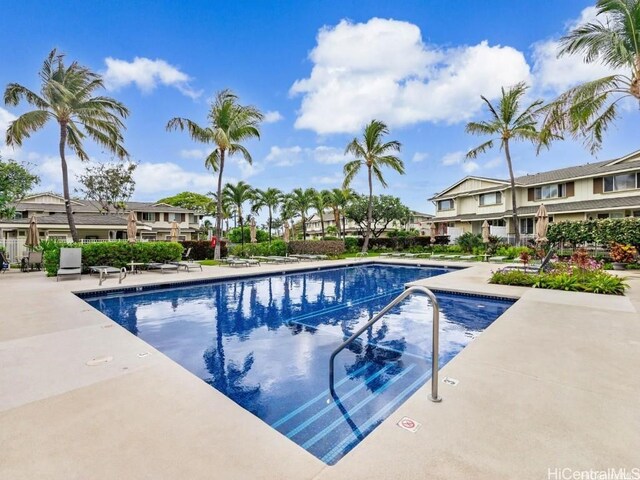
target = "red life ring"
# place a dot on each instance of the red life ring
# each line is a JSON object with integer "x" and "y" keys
{"x": 214, "y": 240}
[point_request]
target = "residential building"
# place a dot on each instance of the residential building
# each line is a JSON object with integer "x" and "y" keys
{"x": 606, "y": 189}
{"x": 154, "y": 220}
{"x": 418, "y": 221}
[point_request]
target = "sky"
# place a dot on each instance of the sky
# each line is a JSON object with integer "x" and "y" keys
{"x": 319, "y": 71}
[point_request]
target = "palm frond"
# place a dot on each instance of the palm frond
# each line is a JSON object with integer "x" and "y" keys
{"x": 23, "y": 126}
{"x": 473, "y": 153}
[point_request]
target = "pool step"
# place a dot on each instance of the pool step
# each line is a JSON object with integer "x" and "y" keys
{"x": 329, "y": 428}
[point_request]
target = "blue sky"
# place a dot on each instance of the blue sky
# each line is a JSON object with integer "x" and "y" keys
{"x": 321, "y": 69}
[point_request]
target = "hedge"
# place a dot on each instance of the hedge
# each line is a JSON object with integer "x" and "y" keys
{"x": 201, "y": 249}
{"x": 317, "y": 247}
{"x": 115, "y": 254}
{"x": 277, "y": 247}
{"x": 601, "y": 231}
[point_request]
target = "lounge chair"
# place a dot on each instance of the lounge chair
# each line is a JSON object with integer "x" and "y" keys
{"x": 467, "y": 257}
{"x": 437, "y": 255}
{"x": 410, "y": 255}
{"x": 304, "y": 258}
{"x": 532, "y": 268}
{"x": 70, "y": 263}
{"x": 187, "y": 255}
{"x": 452, "y": 257}
{"x": 386, "y": 254}
{"x": 163, "y": 267}
{"x": 105, "y": 270}
{"x": 34, "y": 261}
{"x": 279, "y": 259}
{"x": 188, "y": 265}
{"x": 498, "y": 258}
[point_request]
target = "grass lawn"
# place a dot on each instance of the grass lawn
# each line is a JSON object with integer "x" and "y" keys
{"x": 209, "y": 262}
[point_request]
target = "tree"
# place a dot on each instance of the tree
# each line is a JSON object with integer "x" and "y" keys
{"x": 320, "y": 202}
{"x": 66, "y": 97}
{"x": 15, "y": 182}
{"x": 510, "y": 121}
{"x": 338, "y": 200}
{"x": 374, "y": 154}
{"x": 386, "y": 209}
{"x": 270, "y": 198}
{"x": 613, "y": 39}
{"x": 237, "y": 195}
{"x": 299, "y": 201}
{"x": 229, "y": 124}
{"x": 191, "y": 201}
{"x": 108, "y": 185}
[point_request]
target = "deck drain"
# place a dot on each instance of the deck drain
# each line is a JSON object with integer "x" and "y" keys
{"x": 143, "y": 354}
{"x": 99, "y": 360}
{"x": 409, "y": 424}
{"x": 450, "y": 381}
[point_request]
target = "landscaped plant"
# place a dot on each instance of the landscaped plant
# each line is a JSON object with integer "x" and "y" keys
{"x": 317, "y": 247}
{"x": 525, "y": 257}
{"x": 601, "y": 231}
{"x": 468, "y": 241}
{"x": 623, "y": 253}
{"x": 277, "y": 247}
{"x": 584, "y": 261}
{"x": 115, "y": 254}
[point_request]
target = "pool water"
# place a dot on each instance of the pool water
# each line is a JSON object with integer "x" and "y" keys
{"x": 265, "y": 343}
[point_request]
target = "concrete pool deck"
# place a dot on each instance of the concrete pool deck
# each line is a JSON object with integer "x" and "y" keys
{"x": 553, "y": 383}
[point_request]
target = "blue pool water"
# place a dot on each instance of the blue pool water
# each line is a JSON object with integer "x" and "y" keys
{"x": 265, "y": 342}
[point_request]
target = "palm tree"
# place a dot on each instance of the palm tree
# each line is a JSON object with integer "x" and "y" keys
{"x": 320, "y": 202}
{"x": 588, "y": 109}
{"x": 300, "y": 201}
{"x": 374, "y": 154}
{"x": 237, "y": 195}
{"x": 270, "y": 198}
{"x": 510, "y": 121}
{"x": 338, "y": 199}
{"x": 66, "y": 97}
{"x": 229, "y": 124}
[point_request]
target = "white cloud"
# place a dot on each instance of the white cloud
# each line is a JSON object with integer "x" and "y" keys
{"x": 453, "y": 158}
{"x": 494, "y": 162}
{"x": 193, "y": 154}
{"x": 246, "y": 169}
{"x": 272, "y": 116}
{"x": 382, "y": 69}
{"x": 335, "y": 179}
{"x": 559, "y": 74}
{"x": 290, "y": 156}
{"x": 470, "y": 166}
{"x": 147, "y": 74}
{"x": 419, "y": 157}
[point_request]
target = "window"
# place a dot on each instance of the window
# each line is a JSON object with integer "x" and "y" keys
{"x": 174, "y": 217}
{"x": 148, "y": 216}
{"x": 493, "y": 198}
{"x": 497, "y": 223}
{"x": 550, "y": 191}
{"x": 445, "y": 205}
{"x": 18, "y": 215}
{"x": 526, "y": 226}
{"x": 623, "y": 181}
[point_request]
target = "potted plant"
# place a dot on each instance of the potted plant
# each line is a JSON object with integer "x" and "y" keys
{"x": 622, "y": 255}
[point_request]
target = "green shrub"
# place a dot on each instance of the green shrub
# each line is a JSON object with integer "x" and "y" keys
{"x": 601, "y": 231}
{"x": 352, "y": 244}
{"x": 565, "y": 277}
{"x": 201, "y": 249}
{"x": 468, "y": 241}
{"x": 317, "y": 247}
{"x": 235, "y": 235}
{"x": 278, "y": 247}
{"x": 115, "y": 254}
{"x": 512, "y": 252}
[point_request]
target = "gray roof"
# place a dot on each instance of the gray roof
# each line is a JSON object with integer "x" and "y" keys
{"x": 89, "y": 206}
{"x": 83, "y": 219}
{"x": 562, "y": 174}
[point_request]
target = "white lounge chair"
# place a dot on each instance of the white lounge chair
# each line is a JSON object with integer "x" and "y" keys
{"x": 70, "y": 263}
{"x": 163, "y": 267}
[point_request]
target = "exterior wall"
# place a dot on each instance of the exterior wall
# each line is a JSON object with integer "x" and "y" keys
{"x": 473, "y": 184}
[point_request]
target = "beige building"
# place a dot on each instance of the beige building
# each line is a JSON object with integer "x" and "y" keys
{"x": 154, "y": 220}
{"x": 607, "y": 189}
{"x": 419, "y": 221}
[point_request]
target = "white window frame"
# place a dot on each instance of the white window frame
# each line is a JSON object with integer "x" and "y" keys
{"x": 529, "y": 223}
{"x": 613, "y": 185}
{"x": 440, "y": 202}
{"x": 497, "y": 199}
{"x": 546, "y": 192}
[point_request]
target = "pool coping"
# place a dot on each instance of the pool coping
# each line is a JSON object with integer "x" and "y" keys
{"x": 387, "y": 445}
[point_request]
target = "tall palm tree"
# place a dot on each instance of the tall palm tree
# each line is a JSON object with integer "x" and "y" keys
{"x": 588, "y": 109}
{"x": 66, "y": 96}
{"x": 270, "y": 198}
{"x": 229, "y": 124}
{"x": 300, "y": 201}
{"x": 227, "y": 209}
{"x": 320, "y": 202}
{"x": 373, "y": 153}
{"x": 509, "y": 120}
{"x": 237, "y": 195}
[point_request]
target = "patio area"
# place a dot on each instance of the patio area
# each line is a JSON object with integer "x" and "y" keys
{"x": 551, "y": 384}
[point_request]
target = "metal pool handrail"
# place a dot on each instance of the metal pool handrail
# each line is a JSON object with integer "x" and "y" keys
{"x": 435, "y": 338}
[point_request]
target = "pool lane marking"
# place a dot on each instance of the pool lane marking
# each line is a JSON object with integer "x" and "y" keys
{"x": 344, "y": 443}
{"x": 340, "y": 421}
{"x": 330, "y": 407}
{"x": 335, "y": 308}
{"x": 322, "y": 396}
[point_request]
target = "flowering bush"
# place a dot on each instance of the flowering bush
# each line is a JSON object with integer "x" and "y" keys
{"x": 525, "y": 257}
{"x": 583, "y": 261}
{"x": 623, "y": 253}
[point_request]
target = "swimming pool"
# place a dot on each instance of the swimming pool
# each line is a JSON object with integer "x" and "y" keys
{"x": 265, "y": 342}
